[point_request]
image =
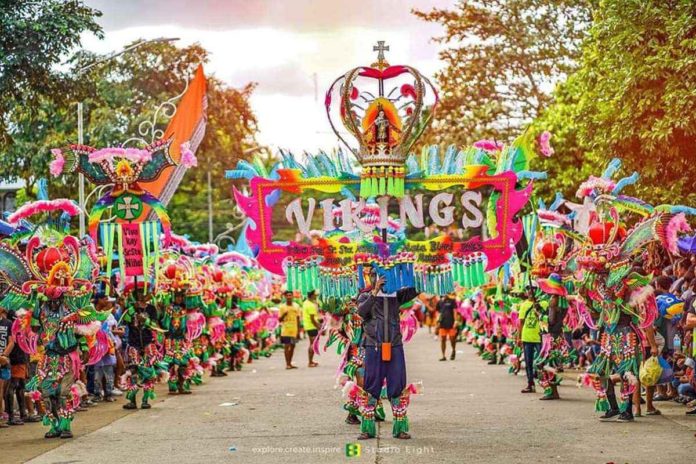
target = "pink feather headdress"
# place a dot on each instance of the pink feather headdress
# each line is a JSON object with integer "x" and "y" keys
{"x": 132, "y": 154}
{"x": 595, "y": 183}
{"x": 488, "y": 145}
{"x": 553, "y": 217}
{"x": 44, "y": 206}
{"x": 233, "y": 257}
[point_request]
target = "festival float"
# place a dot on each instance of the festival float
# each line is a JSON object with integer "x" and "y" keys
{"x": 372, "y": 207}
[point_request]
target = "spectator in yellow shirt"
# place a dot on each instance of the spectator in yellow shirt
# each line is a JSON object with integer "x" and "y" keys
{"x": 311, "y": 324}
{"x": 290, "y": 319}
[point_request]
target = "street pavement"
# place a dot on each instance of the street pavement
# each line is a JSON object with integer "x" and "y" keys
{"x": 469, "y": 412}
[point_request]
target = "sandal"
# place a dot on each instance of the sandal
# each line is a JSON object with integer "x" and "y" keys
{"x": 403, "y": 436}
{"x": 365, "y": 436}
{"x": 654, "y": 412}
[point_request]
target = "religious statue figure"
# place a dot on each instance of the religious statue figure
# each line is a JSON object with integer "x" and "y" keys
{"x": 382, "y": 132}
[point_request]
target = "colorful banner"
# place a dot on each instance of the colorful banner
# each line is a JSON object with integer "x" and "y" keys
{"x": 132, "y": 249}
{"x": 495, "y": 249}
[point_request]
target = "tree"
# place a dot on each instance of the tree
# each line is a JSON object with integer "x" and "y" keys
{"x": 633, "y": 97}
{"x": 119, "y": 96}
{"x": 502, "y": 59}
{"x": 35, "y": 36}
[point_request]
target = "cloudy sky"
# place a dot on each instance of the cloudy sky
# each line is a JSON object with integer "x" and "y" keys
{"x": 282, "y": 45}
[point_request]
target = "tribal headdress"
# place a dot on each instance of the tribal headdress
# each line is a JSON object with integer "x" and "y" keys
{"x": 51, "y": 264}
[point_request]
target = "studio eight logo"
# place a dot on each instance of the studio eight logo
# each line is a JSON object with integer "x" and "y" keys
{"x": 353, "y": 450}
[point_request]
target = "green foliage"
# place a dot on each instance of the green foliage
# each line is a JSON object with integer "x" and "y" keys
{"x": 120, "y": 98}
{"x": 570, "y": 164}
{"x": 502, "y": 58}
{"x": 35, "y": 37}
{"x": 128, "y": 90}
{"x": 633, "y": 97}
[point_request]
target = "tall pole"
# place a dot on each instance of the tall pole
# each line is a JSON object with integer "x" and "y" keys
{"x": 210, "y": 208}
{"x": 81, "y": 177}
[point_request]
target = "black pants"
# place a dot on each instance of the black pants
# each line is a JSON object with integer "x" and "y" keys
{"x": 611, "y": 397}
{"x": 15, "y": 389}
{"x": 530, "y": 352}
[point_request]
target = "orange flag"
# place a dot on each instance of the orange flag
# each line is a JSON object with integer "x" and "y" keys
{"x": 187, "y": 125}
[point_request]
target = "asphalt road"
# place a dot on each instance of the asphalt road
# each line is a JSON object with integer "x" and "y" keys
{"x": 469, "y": 412}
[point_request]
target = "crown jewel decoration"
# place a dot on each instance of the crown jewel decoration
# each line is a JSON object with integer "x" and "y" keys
{"x": 386, "y": 109}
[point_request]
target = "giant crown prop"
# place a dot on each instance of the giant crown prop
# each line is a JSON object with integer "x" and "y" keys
{"x": 386, "y": 109}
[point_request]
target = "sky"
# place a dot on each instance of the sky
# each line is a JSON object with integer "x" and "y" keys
{"x": 285, "y": 46}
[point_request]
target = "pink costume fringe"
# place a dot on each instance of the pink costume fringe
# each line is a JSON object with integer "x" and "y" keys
{"x": 25, "y": 337}
{"x": 488, "y": 145}
{"x": 553, "y": 217}
{"x": 195, "y": 323}
{"x": 676, "y": 225}
{"x": 546, "y": 343}
{"x": 56, "y": 166}
{"x": 581, "y": 308}
{"x": 643, "y": 299}
{"x": 595, "y": 183}
{"x": 75, "y": 363}
{"x": 408, "y": 325}
{"x": 188, "y": 159}
{"x": 99, "y": 348}
{"x": 216, "y": 328}
{"x": 75, "y": 396}
{"x": 544, "y": 144}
